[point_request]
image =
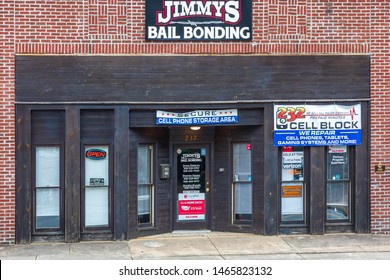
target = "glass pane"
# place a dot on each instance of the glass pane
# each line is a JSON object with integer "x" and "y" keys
{"x": 144, "y": 177}
{"x": 242, "y": 162}
{"x": 144, "y": 204}
{"x": 96, "y": 166}
{"x": 96, "y": 206}
{"x": 47, "y": 208}
{"x": 243, "y": 201}
{"x": 242, "y": 170}
{"x": 338, "y": 163}
{"x": 292, "y": 201}
{"x": 144, "y": 164}
{"x": 292, "y": 187}
{"x": 47, "y": 167}
{"x": 292, "y": 164}
{"x": 337, "y": 201}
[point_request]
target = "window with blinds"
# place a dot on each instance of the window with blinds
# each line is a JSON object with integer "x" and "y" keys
{"x": 145, "y": 184}
{"x": 242, "y": 183}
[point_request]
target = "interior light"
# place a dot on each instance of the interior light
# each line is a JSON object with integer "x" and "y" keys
{"x": 195, "y": 127}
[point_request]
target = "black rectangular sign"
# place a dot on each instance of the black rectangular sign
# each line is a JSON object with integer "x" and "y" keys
{"x": 191, "y": 164}
{"x": 198, "y": 20}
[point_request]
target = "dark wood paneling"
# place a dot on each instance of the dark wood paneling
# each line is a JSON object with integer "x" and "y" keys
{"x": 257, "y": 140}
{"x": 72, "y": 175}
{"x": 317, "y": 190}
{"x": 362, "y": 177}
{"x": 190, "y": 78}
{"x": 97, "y": 126}
{"x": 221, "y": 191}
{"x": 23, "y": 176}
{"x": 270, "y": 175}
{"x": 121, "y": 171}
{"x": 47, "y": 126}
{"x": 183, "y": 134}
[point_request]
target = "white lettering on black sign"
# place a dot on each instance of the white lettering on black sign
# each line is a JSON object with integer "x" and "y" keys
{"x": 198, "y": 20}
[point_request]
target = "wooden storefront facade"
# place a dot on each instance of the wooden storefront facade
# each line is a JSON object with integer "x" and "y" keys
{"x": 67, "y": 106}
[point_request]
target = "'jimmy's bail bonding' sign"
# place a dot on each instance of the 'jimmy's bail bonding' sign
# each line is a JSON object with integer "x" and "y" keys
{"x": 317, "y": 125}
{"x": 205, "y": 20}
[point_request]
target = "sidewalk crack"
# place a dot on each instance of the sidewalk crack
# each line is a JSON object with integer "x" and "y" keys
{"x": 129, "y": 248}
{"x": 219, "y": 253}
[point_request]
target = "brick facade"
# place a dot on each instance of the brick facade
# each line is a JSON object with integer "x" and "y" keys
{"x": 280, "y": 27}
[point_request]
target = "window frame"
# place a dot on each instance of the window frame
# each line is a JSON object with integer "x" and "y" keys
{"x": 109, "y": 227}
{"x": 151, "y": 185}
{"x": 233, "y": 181}
{"x": 350, "y": 191}
{"x": 61, "y": 188}
{"x": 305, "y": 191}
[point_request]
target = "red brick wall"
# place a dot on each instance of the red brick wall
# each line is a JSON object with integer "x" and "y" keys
{"x": 285, "y": 27}
{"x": 7, "y": 128}
{"x": 380, "y": 101}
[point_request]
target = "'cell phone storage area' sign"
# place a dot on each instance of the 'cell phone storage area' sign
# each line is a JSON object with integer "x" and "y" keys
{"x": 317, "y": 125}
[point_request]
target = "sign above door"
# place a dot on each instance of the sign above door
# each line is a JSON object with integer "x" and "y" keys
{"x": 198, "y": 117}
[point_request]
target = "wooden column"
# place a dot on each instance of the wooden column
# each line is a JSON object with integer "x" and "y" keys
{"x": 23, "y": 175}
{"x": 317, "y": 189}
{"x": 270, "y": 175}
{"x": 362, "y": 177}
{"x": 121, "y": 173}
{"x": 72, "y": 174}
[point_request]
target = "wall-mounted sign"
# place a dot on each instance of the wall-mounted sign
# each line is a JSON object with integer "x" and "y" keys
{"x": 380, "y": 168}
{"x": 292, "y": 160}
{"x": 338, "y": 155}
{"x": 96, "y": 154}
{"x": 199, "y": 117}
{"x": 206, "y": 20}
{"x": 317, "y": 125}
{"x": 291, "y": 191}
{"x": 96, "y": 181}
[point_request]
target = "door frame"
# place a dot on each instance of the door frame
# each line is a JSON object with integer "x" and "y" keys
{"x": 192, "y": 224}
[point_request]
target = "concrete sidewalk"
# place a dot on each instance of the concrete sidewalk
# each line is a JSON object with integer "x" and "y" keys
{"x": 204, "y": 245}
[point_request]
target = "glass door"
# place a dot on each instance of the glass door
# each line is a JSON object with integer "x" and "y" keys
{"x": 192, "y": 187}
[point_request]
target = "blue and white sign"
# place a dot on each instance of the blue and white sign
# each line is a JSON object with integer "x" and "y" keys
{"x": 198, "y": 117}
{"x": 317, "y": 125}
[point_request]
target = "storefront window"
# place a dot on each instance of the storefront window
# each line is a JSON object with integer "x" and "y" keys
{"x": 338, "y": 190}
{"x": 292, "y": 185}
{"x": 96, "y": 186}
{"x": 145, "y": 184}
{"x": 242, "y": 182}
{"x": 47, "y": 187}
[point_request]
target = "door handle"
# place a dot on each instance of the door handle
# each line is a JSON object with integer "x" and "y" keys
{"x": 207, "y": 187}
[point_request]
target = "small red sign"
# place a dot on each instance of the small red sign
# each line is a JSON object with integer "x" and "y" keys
{"x": 191, "y": 207}
{"x": 287, "y": 149}
{"x": 96, "y": 154}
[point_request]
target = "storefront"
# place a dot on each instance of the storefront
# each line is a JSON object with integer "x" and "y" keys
{"x": 115, "y": 147}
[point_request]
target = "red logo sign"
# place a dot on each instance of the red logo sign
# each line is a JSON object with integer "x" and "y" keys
{"x": 96, "y": 154}
{"x": 191, "y": 207}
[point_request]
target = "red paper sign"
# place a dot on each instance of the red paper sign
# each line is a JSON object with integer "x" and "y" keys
{"x": 191, "y": 207}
